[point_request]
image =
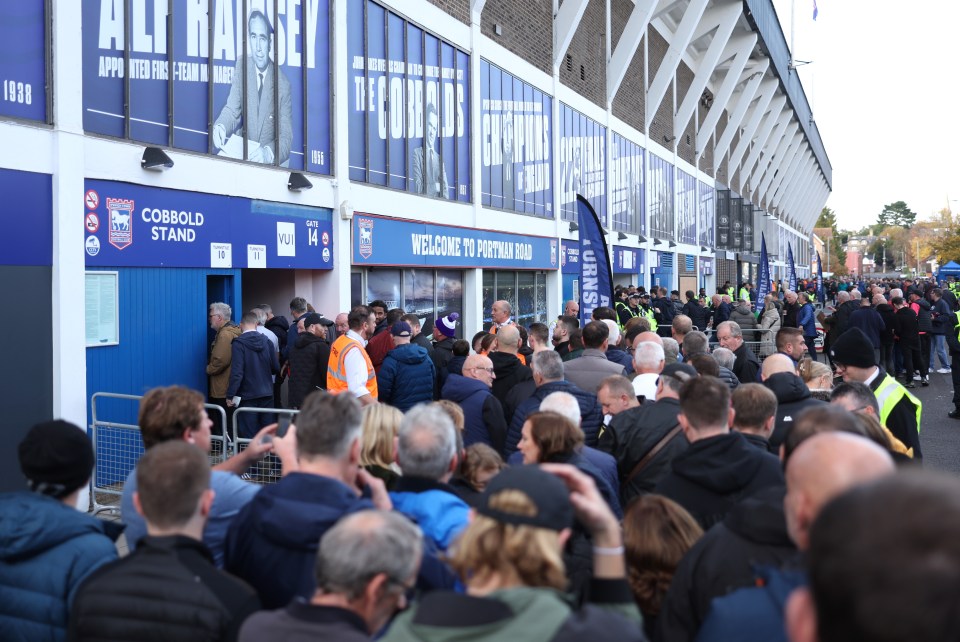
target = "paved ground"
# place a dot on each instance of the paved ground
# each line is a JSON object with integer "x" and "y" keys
{"x": 939, "y": 435}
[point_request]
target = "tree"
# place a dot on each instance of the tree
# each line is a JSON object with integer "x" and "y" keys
{"x": 828, "y": 218}
{"x": 944, "y": 241}
{"x": 897, "y": 214}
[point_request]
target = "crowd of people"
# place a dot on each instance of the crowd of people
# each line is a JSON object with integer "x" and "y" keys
{"x": 662, "y": 471}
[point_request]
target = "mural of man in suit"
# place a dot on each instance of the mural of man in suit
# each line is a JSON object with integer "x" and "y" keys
{"x": 429, "y": 175}
{"x": 263, "y": 145}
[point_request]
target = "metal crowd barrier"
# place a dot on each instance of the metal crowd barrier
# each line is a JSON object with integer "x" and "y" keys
{"x": 268, "y": 469}
{"x": 118, "y": 446}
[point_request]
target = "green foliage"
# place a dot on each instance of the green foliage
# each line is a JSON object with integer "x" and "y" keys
{"x": 947, "y": 247}
{"x": 897, "y": 214}
{"x": 828, "y": 218}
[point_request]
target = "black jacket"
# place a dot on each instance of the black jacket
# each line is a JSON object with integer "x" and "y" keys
{"x": 301, "y": 621}
{"x": 789, "y": 315}
{"x": 754, "y": 533}
{"x": 793, "y": 397}
{"x": 699, "y": 315}
{"x": 632, "y": 434}
{"x": 441, "y": 354}
{"x": 509, "y": 372}
{"x": 309, "y": 357}
{"x": 167, "y": 589}
{"x": 279, "y": 326}
{"x": 889, "y": 322}
{"x": 924, "y": 319}
{"x": 907, "y": 329}
{"x": 843, "y": 316}
{"x": 714, "y": 474}
{"x": 520, "y": 393}
{"x": 746, "y": 366}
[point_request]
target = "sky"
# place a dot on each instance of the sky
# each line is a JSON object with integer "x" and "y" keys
{"x": 884, "y": 86}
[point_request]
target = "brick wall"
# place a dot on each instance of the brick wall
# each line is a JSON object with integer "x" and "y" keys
{"x": 719, "y": 165}
{"x": 687, "y": 141}
{"x": 629, "y": 103}
{"x": 459, "y": 9}
{"x": 527, "y": 29}
{"x": 662, "y": 125}
{"x": 583, "y": 68}
{"x": 700, "y": 116}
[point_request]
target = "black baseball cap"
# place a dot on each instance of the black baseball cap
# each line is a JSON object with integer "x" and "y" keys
{"x": 548, "y": 493}
{"x": 314, "y": 318}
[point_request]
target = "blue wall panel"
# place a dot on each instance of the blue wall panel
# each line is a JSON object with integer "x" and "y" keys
{"x": 163, "y": 336}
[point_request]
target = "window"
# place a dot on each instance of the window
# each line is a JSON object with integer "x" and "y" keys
{"x": 525, "y": 291}
{"x": 426, "y": 293}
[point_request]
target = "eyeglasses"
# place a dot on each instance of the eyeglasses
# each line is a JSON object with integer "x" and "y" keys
{"x": 490, "y": 370}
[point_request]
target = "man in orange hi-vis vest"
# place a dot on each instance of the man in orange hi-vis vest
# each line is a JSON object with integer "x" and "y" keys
{"x": 350, "y": 368}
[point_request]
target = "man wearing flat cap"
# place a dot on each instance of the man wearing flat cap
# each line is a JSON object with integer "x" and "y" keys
{"x": 309, "y": 357}
{"x": 900, "y": 411}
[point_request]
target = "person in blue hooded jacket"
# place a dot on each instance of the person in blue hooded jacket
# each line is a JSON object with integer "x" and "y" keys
{"x": 427, "y": 454}
{"x": 48, "y": 547}
{"x": 407, "y": 376}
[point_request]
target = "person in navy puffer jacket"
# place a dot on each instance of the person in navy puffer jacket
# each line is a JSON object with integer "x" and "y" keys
{"x": 483, "y": 413}
{"x": 407, "y": 376}
{"x": 48, "y": 547}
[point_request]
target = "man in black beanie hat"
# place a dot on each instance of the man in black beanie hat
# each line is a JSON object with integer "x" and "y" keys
{"x": 47, "y": 546}
{"x": 900, "y": 411}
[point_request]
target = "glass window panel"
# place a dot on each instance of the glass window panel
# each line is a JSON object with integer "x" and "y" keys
{"x": 418, "y": 293}
{"x": 489, "y": 295}
{"x": 540, "y": 308}
{"x": 384, "y": 285}
{"x": 507, "y": 288}
{"x": 356, "y": 289}
{"x": 525, "y": 311}
{"x": 449, "y": 298}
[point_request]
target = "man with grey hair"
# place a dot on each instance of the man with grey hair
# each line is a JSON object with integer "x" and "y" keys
{"x": 548, "y": 375}
{"x": 694, "y": 343}
{"x": 427, "y": 454}
{"x": 746, "y": 365}
{"x": 648, "y": 362}
{"x": 671, "y": 351}
{"x": 790, "y": 309}
{"x": 273, "y": 541}
{"x": 615, "y": 353}
{"x": 644, "y": 440}
{"x": 221, "y": 355}
{"x": 364, "y": 566}
{"x": 262, "y": 329}
{"x": 725, "y": 360}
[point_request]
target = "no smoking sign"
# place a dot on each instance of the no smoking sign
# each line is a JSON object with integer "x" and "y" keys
{"x": 92, "y": 222}
{"x": 91, "y": 199}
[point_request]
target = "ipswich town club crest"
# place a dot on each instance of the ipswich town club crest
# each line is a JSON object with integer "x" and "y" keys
{"x": 365, "y": 227}
{"x": 553, "y": 252}
{"x": 121, "y": 222}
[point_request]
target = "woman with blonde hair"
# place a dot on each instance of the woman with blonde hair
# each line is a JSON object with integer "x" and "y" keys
{"x": 381, "y": 426}
{"x": 510, "y": 558}
{"x": 657, "y": 533}
{"x": 769, "y": 326}
{"x": 818, "y": 377}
